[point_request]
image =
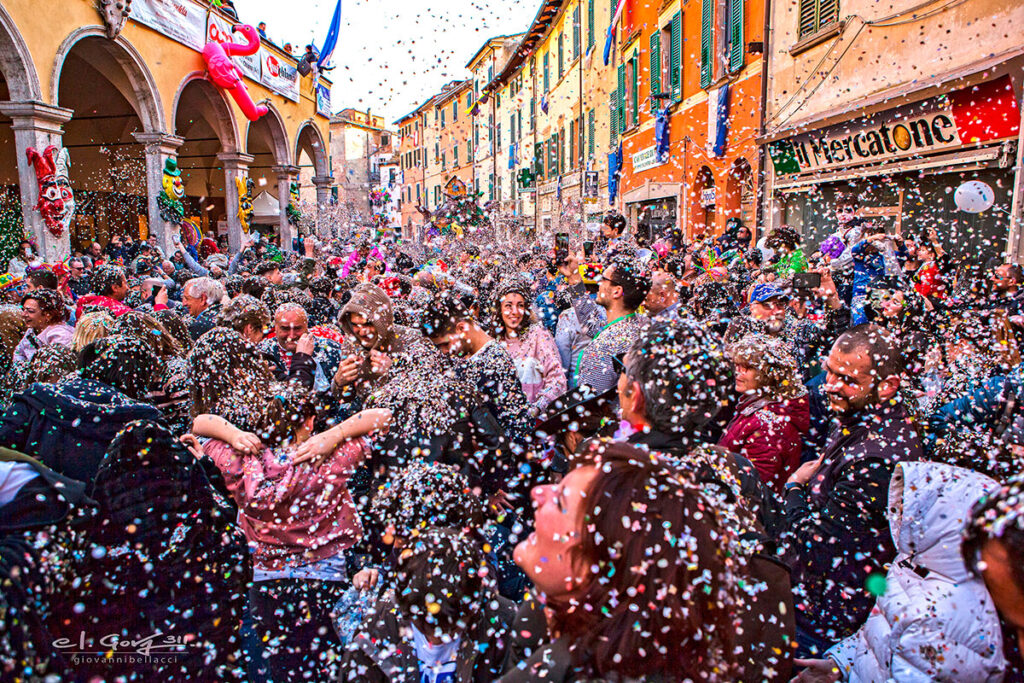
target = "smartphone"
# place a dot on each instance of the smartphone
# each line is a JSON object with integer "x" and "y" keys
{"x": 807, "y": 280}
{"x": 562, "y": 241}
{"x": 588, "y": 247}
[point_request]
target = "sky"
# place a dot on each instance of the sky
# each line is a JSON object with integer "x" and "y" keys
{"x": 394, "y": 55}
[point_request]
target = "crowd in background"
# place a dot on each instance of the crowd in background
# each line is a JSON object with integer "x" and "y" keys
{"x": 720, "y": 460}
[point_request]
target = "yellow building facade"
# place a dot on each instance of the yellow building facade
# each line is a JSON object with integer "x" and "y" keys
{"x": 124, "y": 95}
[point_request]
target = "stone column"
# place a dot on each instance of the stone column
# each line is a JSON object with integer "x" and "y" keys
{"x": 236, "y": 165}
{"x": 37, "y": 125}
{"x": 323, "y": 198}
{"x": 285, "y": 176}
{"x": 159, "y": 147}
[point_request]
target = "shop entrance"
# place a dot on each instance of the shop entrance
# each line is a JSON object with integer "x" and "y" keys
{"x": 656, "y": 218}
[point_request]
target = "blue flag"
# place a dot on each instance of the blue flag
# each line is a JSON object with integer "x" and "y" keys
{"x": 331, "y": 42}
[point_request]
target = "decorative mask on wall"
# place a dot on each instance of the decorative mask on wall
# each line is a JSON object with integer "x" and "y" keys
{"x": 245, "y": 210}
{"x": 169, "y": 201}
{"x": 56, "y": 200}
{"x": 293, "y": 212}
{"x": 115, "y": 15}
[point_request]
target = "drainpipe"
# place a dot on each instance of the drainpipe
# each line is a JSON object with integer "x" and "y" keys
{"x": 762, "y": 152}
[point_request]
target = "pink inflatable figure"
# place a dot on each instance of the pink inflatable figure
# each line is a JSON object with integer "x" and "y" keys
{"x": 226, "y": 75}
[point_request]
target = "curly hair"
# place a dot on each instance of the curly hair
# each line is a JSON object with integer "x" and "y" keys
{"x": 105, "y": 278}
{"x": 777, "y": 370}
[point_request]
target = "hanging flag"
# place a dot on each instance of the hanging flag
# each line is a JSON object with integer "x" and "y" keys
{"x": 544, "y": 104}
{"x": 331, "y": 42}
{"x": 611, "y": 31}
{"x": 588, "y": 59}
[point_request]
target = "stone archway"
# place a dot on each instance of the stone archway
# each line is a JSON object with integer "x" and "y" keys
{"x": 16, "y": 65}
{"x": 210, "y": 155}
{"x": 113, "y": 99}
{"x": 311, "y": 158}
{"x": 703, "y": 204}
{"x": 271, "y": 170}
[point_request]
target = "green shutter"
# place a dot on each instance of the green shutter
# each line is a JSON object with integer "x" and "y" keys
{"x": 635, "y": 113}
{"x": 675, "y": 65}
{"x": 613, "y": 100}
{"x": 591, "y": 129}
{"x": 735, "y": 35}
{"x": 816, "y": 15}
{"x": 620, "y": 113}
{"x": 655, "y": 75}
{"x": 576, "y": 28}
{"x": 707, "y": 43}
{"x": 828, "y": 12}
{"x": 590, "y": 23}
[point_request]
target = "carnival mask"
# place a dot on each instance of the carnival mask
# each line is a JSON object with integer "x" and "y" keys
{"x": 56, "y": 200}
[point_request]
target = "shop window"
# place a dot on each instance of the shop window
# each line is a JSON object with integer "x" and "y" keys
{"x": 816, "y": 15}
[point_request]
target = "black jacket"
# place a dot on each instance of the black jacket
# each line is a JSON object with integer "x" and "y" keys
{"x": 204, "y": 322}
{"x": 69, "y": 426}
{"x": 836, "y": 527}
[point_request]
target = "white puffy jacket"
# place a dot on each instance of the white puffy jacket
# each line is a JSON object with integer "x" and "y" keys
{"x": 935, "y": 621}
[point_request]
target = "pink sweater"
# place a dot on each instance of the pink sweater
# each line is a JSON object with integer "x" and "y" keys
{"x": 538, "y": 365}
{"x": 292, "y": 514}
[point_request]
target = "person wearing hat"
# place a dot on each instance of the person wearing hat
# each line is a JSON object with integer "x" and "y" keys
{"x": 622, "y": 289}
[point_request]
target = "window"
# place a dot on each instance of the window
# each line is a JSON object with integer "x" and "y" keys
{"x": 533, "y": 113}
{"x": 591, "y": 129}
{"x": 437, "y": 151}
{"x": 576, "y": 33}
{"x": 418, "y": 195}
{"x": 455, "y": 110}
{"x": 469, "y": 150}
{"x": 547, "y": 72}
{"x": 734, "y": 53}
{"x": 707, "y": 39}
{"x": 816, "y": 15}
{"x": 442, "y": 118}
{"x": 572, "y": 144}
{"x": 385, "y": 140}
{"x": 497, "y": 134}
{"x": 455, "y": 155}
{"x": 444, "y": 161}
{"x": 634, "y": 89}
{"x": 561, "y": 55}
{"x": 590, "y": 24}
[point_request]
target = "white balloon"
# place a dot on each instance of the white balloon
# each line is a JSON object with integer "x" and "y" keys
{"x": 974, "y": 196}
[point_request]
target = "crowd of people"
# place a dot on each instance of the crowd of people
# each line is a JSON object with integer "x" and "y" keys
{"x": 722, "y": 460}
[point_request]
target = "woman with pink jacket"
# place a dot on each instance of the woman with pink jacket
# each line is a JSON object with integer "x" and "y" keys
{"x": 298, "y": 517}
{"x": 531, "y": 346}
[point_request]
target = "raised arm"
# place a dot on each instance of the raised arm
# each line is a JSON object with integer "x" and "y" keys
{"x": 216, "y": 427}
{"x": 325, "y": 443}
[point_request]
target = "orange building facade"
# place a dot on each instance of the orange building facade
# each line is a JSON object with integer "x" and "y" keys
{"x": 698, "y": 65}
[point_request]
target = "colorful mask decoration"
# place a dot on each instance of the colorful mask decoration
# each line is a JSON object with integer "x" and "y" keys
{"x": 169, "y": 200}
{"x": 245, "y": 210}
{"x": 294, "y": 215}
{"x": 190, "y": 232}
{"x": 56, "y": 200}
{"x": 224, "y": 74}
{"x": 115, "y": 15}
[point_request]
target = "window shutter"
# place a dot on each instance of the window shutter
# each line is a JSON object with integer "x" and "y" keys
{"x": 561, "y": 54}
{"x": 828, "y": 12}
{"x": 591, "y": 129}
{"x": 620, "y": 115}
{"x": 675, "y": 66}
{"x": 635, "y": 111}
{"x": 655, "y": 74}
{"x": 547, "y": 72}
{"x": 707, "y": 65}
{"x": 576, "y": 33}
{"x": 736, "y": 35}
{"x": 808, "y": 17}
{"x": 590, "y": 23}
{"x": 613, "y": 100}
{"x": 572, "y": 143}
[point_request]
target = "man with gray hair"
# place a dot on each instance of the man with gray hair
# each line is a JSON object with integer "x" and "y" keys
{"x": 202, "y": 297}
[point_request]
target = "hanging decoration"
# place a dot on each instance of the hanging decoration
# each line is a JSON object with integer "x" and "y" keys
{"x": 191, "y": 233}
{"x": 292, "y": 211}
{"x": 224, "y": 74}
{"x": 459, "y": 213}
{"x": 169, "y": 201}
{"x": 245, "y": 210}
{"x": 56, "y": 200}
{"x": 114, "y": 14}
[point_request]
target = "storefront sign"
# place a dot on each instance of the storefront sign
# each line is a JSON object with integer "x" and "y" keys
{"x": 180, "y": 20}
{"x": 647, "y": 158}
{"x": 323, "y": 100}
{"x": 707, "y": 197}
{"x": 219, "y": 30}
{"x": 279, "y": 75}
{"x": 969, "y": 116}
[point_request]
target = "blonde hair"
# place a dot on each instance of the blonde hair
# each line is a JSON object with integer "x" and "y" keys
{"x": 90, "y": 327}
